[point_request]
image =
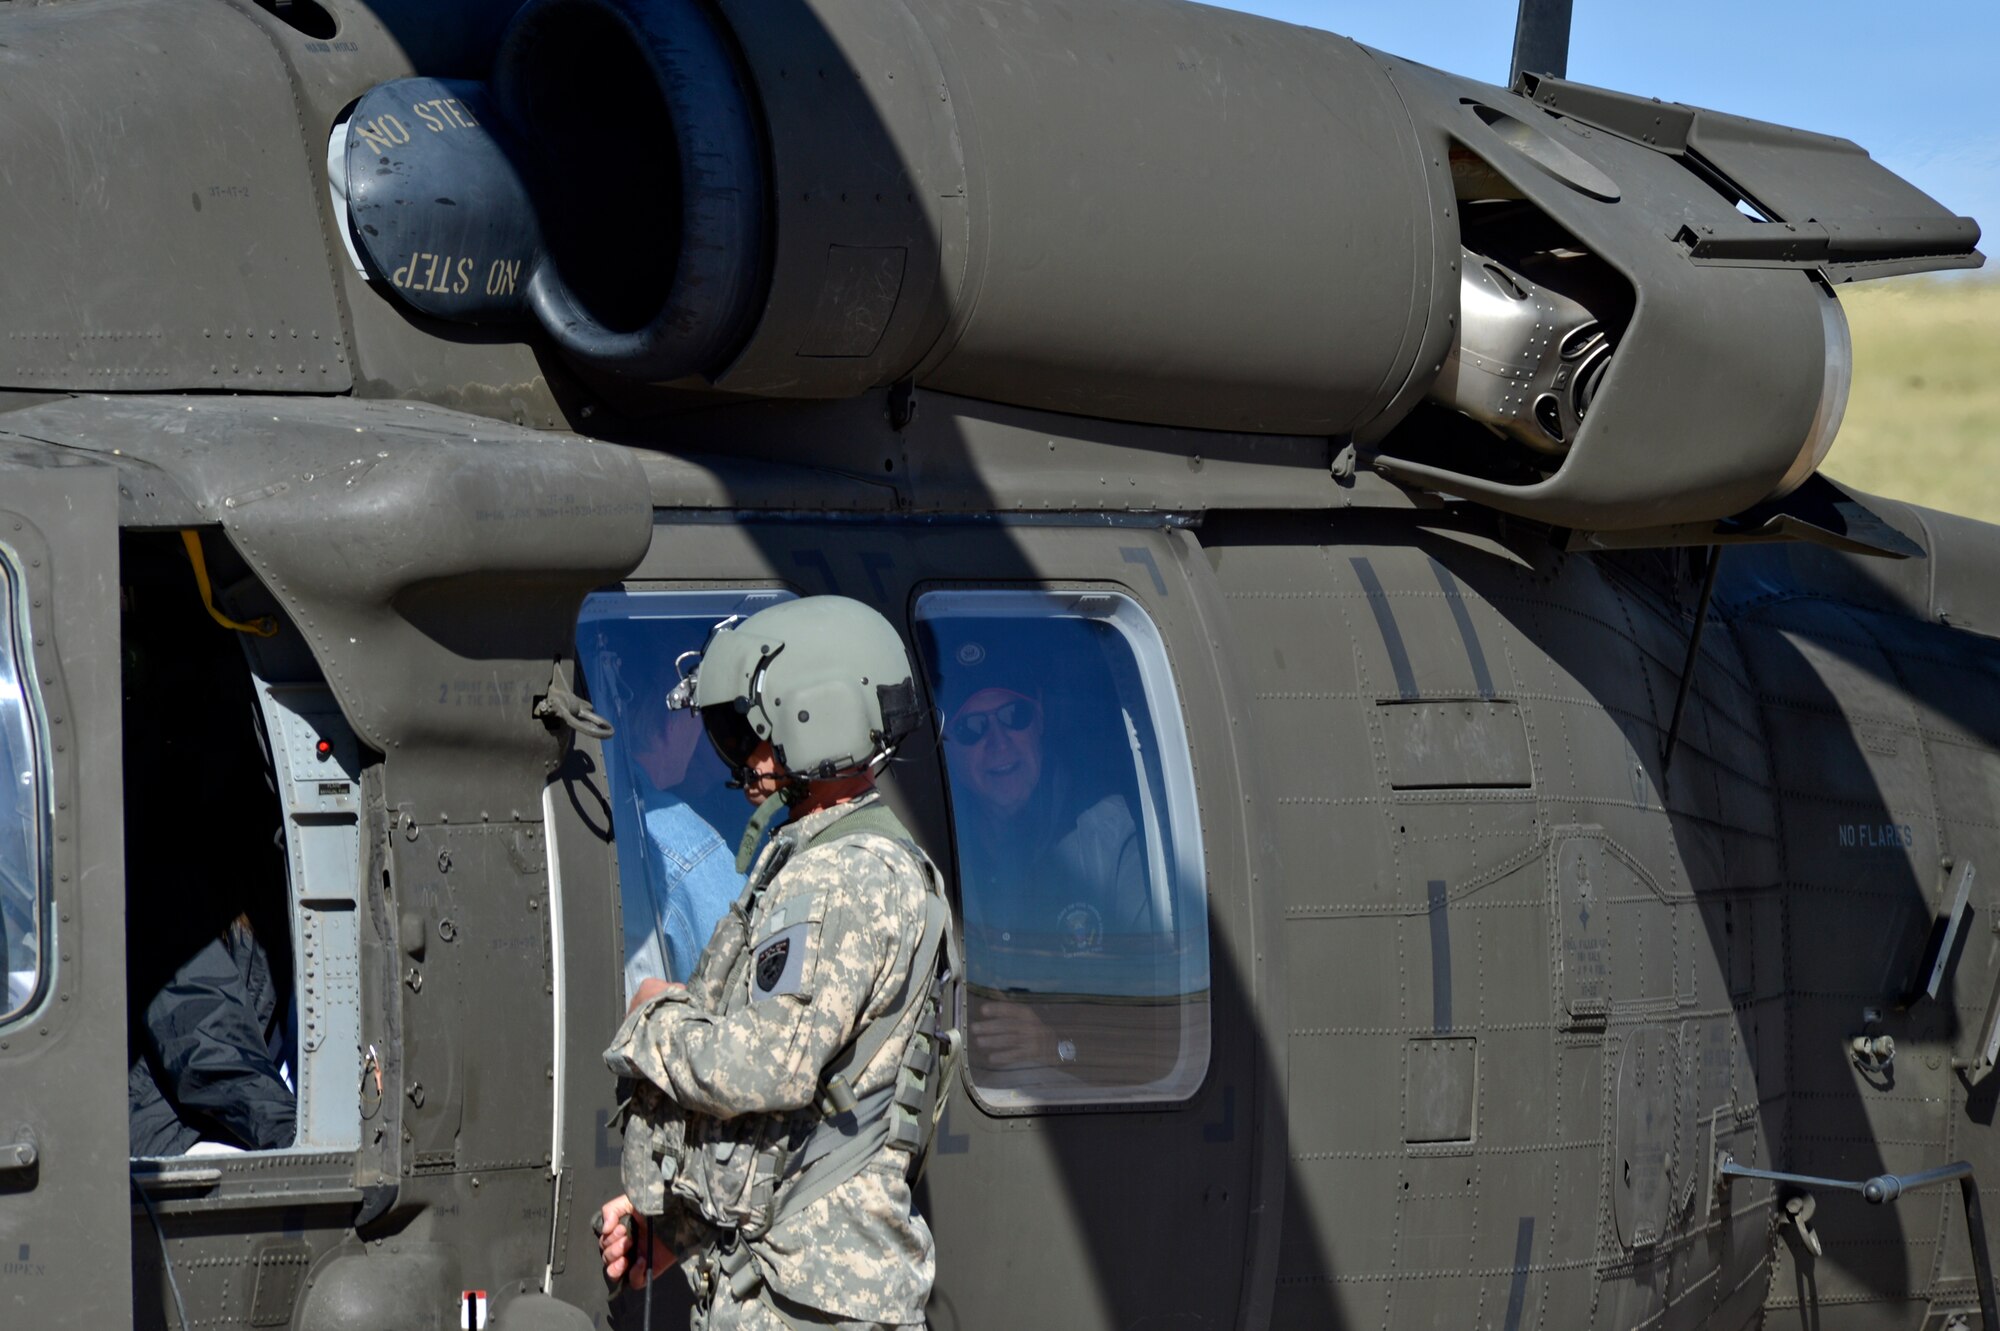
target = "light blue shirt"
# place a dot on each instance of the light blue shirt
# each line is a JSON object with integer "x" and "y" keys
{"x": 685, "y": 888}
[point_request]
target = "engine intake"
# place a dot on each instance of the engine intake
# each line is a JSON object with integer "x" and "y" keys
{"x": 642, "y": 144}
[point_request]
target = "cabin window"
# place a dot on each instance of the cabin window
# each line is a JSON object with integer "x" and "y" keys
{"x": 675, "y": 819}
{"x": 1080, "y": 877}
{"x": 24, "y": 808}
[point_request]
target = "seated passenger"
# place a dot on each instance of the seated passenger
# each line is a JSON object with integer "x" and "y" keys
{"x": 1068, "y": 867}
{"x": 1054, "y": 885}
{"x": 209, "y": 1066}
{"x": 688, "y": 879}
{"x": 1078, "y": 860}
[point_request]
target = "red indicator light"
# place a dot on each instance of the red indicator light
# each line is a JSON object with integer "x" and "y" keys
{"x": 325, "y": 749}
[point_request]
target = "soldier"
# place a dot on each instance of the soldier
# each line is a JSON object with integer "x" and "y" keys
{"x": 786, "y": 1094}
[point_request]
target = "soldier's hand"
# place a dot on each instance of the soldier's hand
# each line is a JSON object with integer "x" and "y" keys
{"x": 649, "y": 990}
{"x": 614, "y": 1240}
{"x": 627, "y": 1245}
{"x": 1008, "y": 1034}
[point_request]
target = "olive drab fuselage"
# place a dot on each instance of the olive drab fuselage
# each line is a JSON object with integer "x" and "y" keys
{"x": 1430, "y": 781}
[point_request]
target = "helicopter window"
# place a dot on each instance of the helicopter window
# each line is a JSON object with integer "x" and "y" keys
{"x": 1079, "y": 851}
{"x": 675, "y": 819}
{"x": 23, "y": 810}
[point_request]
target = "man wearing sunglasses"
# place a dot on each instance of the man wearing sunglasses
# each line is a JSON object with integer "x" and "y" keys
{"x": 1054, "y": 872}
{"x": 786, "y": 1095}
{"x": 1000, "y": 734}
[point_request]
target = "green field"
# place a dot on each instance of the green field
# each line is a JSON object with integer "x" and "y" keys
{"x": 1923, "y": 422}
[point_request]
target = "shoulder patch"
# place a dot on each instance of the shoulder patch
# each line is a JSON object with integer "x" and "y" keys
{"x": 778, "y": 962}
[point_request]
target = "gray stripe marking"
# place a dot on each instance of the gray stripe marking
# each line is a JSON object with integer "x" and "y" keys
{"x": 1440, "y": 960}
{"x": 1482, "y": 678}
{"x": 1517, "y": 1293}
{"x": 1385, "y": 620}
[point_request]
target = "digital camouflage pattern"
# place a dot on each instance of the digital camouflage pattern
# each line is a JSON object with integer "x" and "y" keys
{"x": 728, "y": 1070}
{"x": 760, "y": 1313}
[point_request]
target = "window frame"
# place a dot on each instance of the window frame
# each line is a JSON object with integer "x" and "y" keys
{"x": 20, "y": 644}
{"x": 1159, "y": 681}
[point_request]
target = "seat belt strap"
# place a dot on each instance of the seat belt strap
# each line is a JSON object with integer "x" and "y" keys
{"x": 836, "y": 1163}
{"x": 828, "y": 1136}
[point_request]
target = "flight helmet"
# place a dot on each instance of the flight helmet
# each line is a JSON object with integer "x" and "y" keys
{"x": 825, "y": 679}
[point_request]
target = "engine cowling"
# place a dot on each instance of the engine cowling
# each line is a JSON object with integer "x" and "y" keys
{"x": 1156, "y": 212}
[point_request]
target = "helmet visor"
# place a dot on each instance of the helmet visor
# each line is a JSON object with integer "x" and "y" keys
{"x": 729, "y": 731}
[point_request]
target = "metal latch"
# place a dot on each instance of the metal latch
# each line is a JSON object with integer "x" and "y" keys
{"x": 21, "y": 1154}
{"x": 1873, "y": 1052}
{"x": 1799, "y": 1208}
{"x": 560, "y": 705}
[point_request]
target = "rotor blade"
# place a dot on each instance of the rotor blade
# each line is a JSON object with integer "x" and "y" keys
{"x": 1541, "y": 39}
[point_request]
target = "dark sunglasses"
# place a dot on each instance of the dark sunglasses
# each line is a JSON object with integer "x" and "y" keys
{"x": 1016, "y": 715}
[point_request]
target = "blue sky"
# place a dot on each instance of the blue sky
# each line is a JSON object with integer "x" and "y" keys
{"x": 1916, "y": 83}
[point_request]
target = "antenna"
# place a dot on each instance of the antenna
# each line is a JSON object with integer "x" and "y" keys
{"x": 1541, "y": 40}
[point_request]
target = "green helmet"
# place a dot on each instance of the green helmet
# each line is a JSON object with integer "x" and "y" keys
{"x": 825, "y": 679}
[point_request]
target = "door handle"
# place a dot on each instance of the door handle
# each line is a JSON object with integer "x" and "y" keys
{"x": 19, "y": 1155}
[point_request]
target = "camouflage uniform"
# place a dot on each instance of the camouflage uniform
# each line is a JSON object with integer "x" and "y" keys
{"x": 730, "y": 1067}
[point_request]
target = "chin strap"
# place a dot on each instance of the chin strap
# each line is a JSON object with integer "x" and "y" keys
{"x": 760, "y": 823}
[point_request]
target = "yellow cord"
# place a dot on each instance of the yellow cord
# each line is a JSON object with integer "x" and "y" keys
{"x": 266, "y": 627}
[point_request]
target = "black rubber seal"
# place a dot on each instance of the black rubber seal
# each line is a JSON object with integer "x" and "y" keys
{"x": 650, "y": 182}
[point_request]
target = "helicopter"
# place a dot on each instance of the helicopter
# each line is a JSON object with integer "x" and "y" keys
{"x": 1549, "y": 813}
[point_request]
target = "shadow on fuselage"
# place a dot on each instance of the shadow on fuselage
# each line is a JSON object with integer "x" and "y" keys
{"x": 1770, "y": 796}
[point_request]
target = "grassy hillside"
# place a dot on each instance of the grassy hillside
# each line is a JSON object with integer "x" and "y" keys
{"x": 1923, "y": 422}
